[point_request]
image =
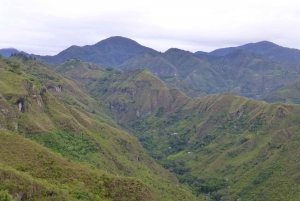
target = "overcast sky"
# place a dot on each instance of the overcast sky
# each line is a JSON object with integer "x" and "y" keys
{"x": 48, "y": 27}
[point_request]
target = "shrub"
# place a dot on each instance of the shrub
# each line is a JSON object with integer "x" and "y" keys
{"x": 5, "y": 196}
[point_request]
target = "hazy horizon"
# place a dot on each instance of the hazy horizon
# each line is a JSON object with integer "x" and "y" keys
{"x": 48, "y": 27}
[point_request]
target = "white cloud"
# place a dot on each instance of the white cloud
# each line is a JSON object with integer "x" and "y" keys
{"x": 47, "y": 27}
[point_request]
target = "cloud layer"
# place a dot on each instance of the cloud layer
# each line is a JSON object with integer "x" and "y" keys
{"x": 48, "y": 27}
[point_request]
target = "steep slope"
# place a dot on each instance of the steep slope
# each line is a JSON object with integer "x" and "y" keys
{"x": 130, "y": 95}
{"x": 242, "y": 72}
{"x": 97, "y": 78}
{"x": 109, "y": 52}
{"x": 196, "y": 71}
{"x": 153, "y": 60}
{"x": 100, "y": 162}
{"x": 175, "y": 62}
{"x": 225, "y": 147}
{"x": 29, "y": 171}
{"x": 252, "y": 75}
{"x": 289, "y": 93}
{"x": 183, "y": 86}
{"x": 265, "y": 48}
{"x": 138, "y": 94}
{"x": 228, "y": 147}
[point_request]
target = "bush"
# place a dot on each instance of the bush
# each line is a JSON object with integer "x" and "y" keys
{"x": 5, "y": 196}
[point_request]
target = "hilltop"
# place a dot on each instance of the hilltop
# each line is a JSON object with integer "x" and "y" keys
{"x": 7, "y": 52}
{"x": 109, "y": 52}
{"x": 265, "y": 48}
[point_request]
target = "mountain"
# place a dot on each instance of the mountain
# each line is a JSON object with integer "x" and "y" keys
{"x": 201, "y": 53}
{"x": 289, "y": 93}
{"x": 134, "y": 93}
{"x": 7, "y": 52}
{"x": 265, "y": 48}
{"x": 175, "y": 62}
{"x": 152, "y": 60}
{"x": 109, "y": 52}
{"x": 252, "y": 75}
{"x": 183, "y": 86}
{"x": 223, "y": 70}
{"x": 240, "y": 71}
{"x": 225, "y": 147}
{"x": 57, "y": 143}
{"x": 228, "y": 146}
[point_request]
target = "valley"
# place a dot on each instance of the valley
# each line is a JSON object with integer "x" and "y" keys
{"x": 126, "y": 122}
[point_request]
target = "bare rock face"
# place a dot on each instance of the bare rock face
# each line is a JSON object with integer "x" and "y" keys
{"x": 21, "y": 104}
{"x": 12, "y": 105}
{"x": 58, "y": 88}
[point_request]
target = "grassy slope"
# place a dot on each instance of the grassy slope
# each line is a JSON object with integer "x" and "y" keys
{"x": 237, "y": 145}
{"x": 288, "y": 93}
{"x": 239, "y": 148}
{"x": 183, "y": 86}
{"x": 30, "y": 171}
{"x": 140, "y": 94}
{"x": 116, "y": 151}
{"x": 130, "y": 94}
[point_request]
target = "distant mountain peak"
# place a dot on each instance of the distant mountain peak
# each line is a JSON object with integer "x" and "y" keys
{"x": 177, "y": 51}
{"x": 265, "y": 48}
{"x": 112, "y": 51}
{"x": 7, "y": 52}
{"x": 117, "y": 40}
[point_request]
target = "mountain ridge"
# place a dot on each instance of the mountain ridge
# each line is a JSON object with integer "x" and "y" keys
{"x": 96, "y": 161}
{"x": 264, "y": 48}
{"x": 109, "y": 52}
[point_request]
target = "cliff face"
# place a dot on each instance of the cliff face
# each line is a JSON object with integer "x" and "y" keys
{"x": 139, "y": 94}
{"x": 130, "y": 95}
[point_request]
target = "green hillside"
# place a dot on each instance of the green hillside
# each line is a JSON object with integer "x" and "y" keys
{"x": 134, "y": 93}
{"x": 228, "y": 147}
{"x": 54, "y": 146}
{"x": 245, "y": 73}
{"x": 289, "y": 93}
{"x": 183, "y": 86}
{"x": 225, "y": 147}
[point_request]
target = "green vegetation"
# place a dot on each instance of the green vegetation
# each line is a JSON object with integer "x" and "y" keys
{"x": 223, "y": 147}
{"x": 5, "y": 196}
{"x": 245, "y": 73}
{"x": 227, "y": 146}
{"x": 77, "y": 147}
{"x": 80, "y": 156}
